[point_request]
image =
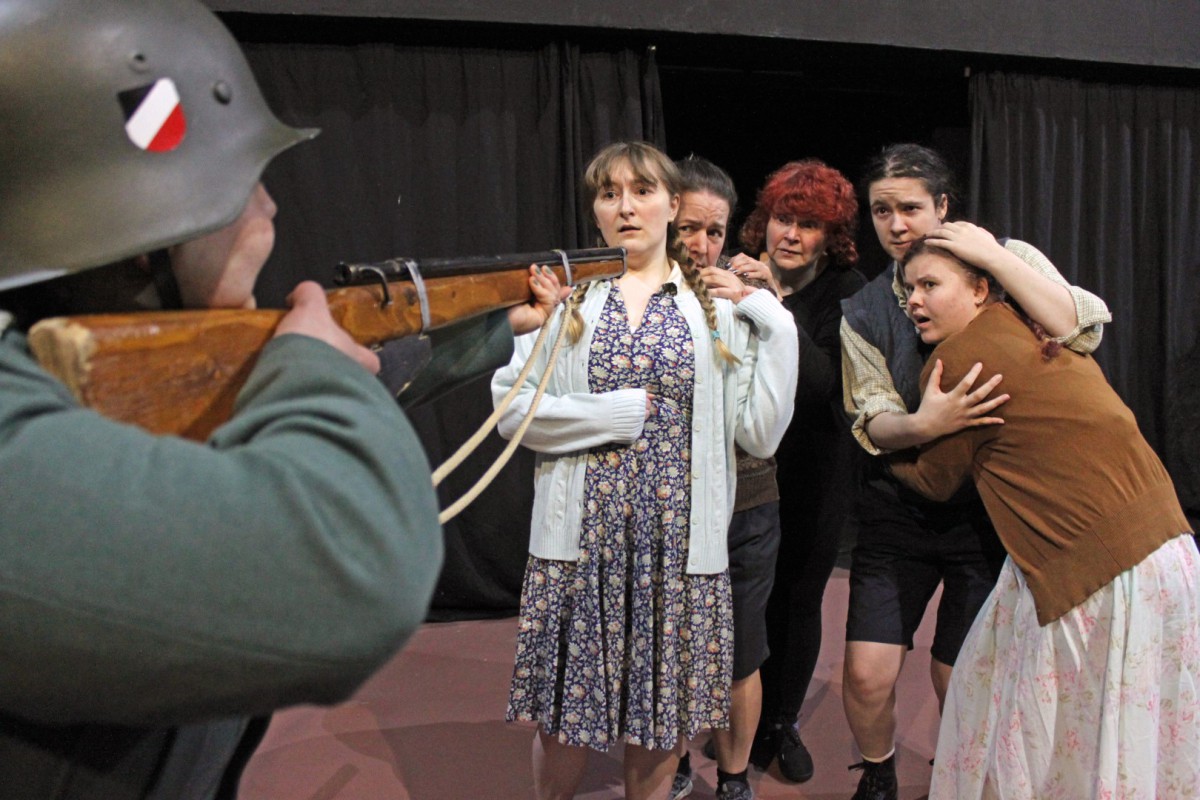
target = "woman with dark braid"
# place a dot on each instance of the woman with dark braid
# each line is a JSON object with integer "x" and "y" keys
{"x": 1080, "y": 676}
{"x": 625, "y": 625}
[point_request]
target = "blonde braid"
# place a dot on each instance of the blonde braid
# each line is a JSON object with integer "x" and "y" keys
{"x": 574, "y": 321}
{"x": 692, "y": 275}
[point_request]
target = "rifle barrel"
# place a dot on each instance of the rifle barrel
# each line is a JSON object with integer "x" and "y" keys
{"x": 398, "y": 269}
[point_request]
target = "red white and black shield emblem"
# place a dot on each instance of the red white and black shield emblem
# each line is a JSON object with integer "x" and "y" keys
{"x": 154, "y": 117}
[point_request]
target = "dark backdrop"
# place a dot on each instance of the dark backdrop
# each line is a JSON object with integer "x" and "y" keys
{"x": 436, "y": 142}
{"x": 1105, "y": 179}
{"x": 1146, "y": 32}
{"x": 457, "y": 140}
{"x": 752, "y": 105}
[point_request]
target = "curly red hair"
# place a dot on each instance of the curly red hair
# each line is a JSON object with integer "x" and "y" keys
{"x": 808, "y": 189}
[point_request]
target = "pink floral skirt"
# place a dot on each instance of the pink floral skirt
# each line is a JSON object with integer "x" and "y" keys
{"x": 1101, "y": 703}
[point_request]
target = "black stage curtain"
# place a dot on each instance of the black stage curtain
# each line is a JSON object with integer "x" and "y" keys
{"x": 445, "y": 151}
{"x": 1105, "y": 179}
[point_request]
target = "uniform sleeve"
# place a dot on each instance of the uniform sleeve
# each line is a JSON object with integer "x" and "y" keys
{"x": 867, "y": 388}
{"x": 564, "y": 421}
{"x": 766, "y": 393}
{"x": 154, "y": 580}
{"x": 1090, "y": 310}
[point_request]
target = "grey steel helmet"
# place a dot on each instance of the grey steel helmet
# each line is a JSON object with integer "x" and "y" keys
{"x": 125, "y": 126}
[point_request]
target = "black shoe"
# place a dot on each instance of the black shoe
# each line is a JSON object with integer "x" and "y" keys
{"x": 878, "y": 781}
{"x": 795, "y": 762}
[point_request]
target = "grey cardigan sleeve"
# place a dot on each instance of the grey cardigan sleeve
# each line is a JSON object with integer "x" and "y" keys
{"x": 149, "y": 579}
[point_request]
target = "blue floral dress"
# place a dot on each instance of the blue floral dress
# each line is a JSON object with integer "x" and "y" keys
{"x": 623, "y": 643}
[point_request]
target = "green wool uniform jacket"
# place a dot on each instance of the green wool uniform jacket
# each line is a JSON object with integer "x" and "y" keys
{"x": 157, "y": 593}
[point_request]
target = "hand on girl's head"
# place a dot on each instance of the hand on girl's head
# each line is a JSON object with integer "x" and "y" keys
{"x": 965, "y": 240}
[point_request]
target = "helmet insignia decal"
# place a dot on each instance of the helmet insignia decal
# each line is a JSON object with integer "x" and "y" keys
{"x": 154, "y": 117}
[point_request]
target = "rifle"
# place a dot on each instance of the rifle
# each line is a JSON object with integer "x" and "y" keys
{"x": 179, "y": 372}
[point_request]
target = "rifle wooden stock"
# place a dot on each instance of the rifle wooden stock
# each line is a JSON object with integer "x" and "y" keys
{"x": 179, "y": 372}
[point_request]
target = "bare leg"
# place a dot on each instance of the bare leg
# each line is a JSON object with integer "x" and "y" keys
{"x": 557, "y": 768}
{"x": 940, "y": 674}
{"x": 733, "y": 744}
{"x": 869, "y": 694}
{"x": 648, "y": 773}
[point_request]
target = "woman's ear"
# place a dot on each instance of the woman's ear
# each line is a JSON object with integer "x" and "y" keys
{"x": 941, "y": 207}
{"x": 980, "y": 292}
{"x": 674, "y": 207}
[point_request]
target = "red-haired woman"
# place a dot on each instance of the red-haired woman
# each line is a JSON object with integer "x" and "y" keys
{"x": 804, "y": 223}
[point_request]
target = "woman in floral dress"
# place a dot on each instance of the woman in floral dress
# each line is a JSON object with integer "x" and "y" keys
{"x": 626, "y": 626}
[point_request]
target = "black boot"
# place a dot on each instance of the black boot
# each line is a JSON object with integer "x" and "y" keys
{"x": 878, "y": 781}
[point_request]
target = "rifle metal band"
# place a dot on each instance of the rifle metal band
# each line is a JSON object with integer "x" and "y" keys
{"x": 414, "y": 272}
{"x": 566, "y": 262}
{"x": 383, "y": 283}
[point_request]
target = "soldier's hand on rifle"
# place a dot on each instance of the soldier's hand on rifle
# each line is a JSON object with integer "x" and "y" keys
{"x": 547, "y": 293}
{"x": 310, "y": 317}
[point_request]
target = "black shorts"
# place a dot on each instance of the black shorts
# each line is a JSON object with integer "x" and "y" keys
{"x": 753, "y": 548}
{"x": 903, "y": 552}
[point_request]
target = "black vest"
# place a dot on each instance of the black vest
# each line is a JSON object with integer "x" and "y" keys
{"x": 875, "y": 314}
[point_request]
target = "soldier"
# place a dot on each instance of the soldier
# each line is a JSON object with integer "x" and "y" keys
{"x": 159, "y": 598}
